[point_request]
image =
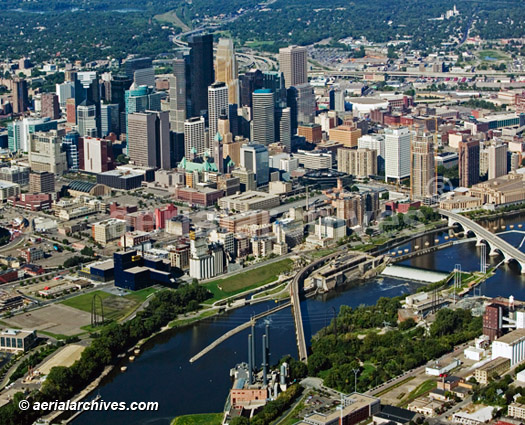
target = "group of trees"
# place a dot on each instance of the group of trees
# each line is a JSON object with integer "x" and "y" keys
{"x": 338, "y": 350}
{"x": 63, "y": 382}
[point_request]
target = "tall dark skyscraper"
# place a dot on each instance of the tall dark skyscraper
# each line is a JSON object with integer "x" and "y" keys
{"x": 201, "y": 73}
{"x": 249, "y": 82}
{"x": 20, "y": 96}
{"x": 468, "y": 163}
{"x": 119, "y": 84}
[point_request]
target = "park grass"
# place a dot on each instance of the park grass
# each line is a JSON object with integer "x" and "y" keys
{"x": 199, "y": 419}
{"x": 171, "y": 17}
{"x": 187, "y": 321}
{"x": 115, "y": 307}
{"x": 323, "y": 252}
{"x": 496, "y": 54}
{"x": 223, "y": 288}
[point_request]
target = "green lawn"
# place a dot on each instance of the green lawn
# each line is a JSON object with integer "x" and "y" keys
{"x": 200, "y": 419}
{"x": 496, "y": 54}
{"x": 222, "y": 288}
{"x": 115, "y": 307}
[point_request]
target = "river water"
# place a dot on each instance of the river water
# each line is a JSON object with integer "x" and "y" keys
{"x": 162, "y": 372}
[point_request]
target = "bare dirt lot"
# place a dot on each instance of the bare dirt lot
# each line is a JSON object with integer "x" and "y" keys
{"x": 57, "y": 319}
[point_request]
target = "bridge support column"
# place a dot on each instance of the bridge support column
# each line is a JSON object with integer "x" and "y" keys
{"x": 522, "y": 265}
{"x": 479, "y": 241}
{"x": 493, "y": 253}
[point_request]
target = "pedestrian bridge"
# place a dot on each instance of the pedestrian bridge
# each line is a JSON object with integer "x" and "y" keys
{"x": 496, "y": 245}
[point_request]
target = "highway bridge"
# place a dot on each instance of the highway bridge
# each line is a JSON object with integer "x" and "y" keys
{"x": 295, "y": 295}
{"x": 494, "y": 242}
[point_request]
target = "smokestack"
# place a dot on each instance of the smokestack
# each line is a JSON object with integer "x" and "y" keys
{"x": 254, "y": 363}
{"x": 264, "y": 363}
{"x": 267, "y": 344}
{"x": 250, "y": 364}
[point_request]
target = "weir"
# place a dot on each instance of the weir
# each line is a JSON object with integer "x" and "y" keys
{"x": 413, "y": 273}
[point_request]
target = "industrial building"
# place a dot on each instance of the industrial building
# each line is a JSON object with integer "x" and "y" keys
{"x": 17, "y": 340}
{"x": 510, "y": 346}
{"x": 135, "y": 272}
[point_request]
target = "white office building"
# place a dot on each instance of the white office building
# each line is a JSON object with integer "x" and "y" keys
{"x": 397, "y": 153}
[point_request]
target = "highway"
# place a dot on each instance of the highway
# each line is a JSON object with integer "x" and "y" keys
{"x": 494, "y": 241}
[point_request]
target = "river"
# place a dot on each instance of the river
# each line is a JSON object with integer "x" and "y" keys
{"x": 162, "y": 372}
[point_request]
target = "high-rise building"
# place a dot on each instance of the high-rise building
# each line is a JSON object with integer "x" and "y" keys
{"x": 217, "y": 152}
{"x": 71, "y": 111}
{"x": 232, "y": 149}
{"x": 497, "y": 161}
{"x": 201, "y": 73}
{"x": 337, "y": 100}
{"x": 178, "y": 96}
{"x": 274, "y": 80}
{"x": 18, "y": 132}
{"x": 283, "y": 127}
{"x": 397, "y": 153}
{"x": 263, "y": 127}
{"x": 348, "y": 134}
{"x": 360, "y": 163}
{"x": 109, "y": 119}
{"x": 50, "y": 106}
{"x": 118, "y": 87}
{"x": 87, "y": 121}
{"x": 217, "y": 105}
{"x": 65, "y": 91}
{"x": 422, "y": 171}
{"x": 45, "y": 152}
{"x": 140, "y": 71}
{"x": 70, "y": 145}
{"x": 20, "y": 96}
{"x": 293, "y": 63}
{"x": 194, "y": 137}
{"x": 149, "y": 139}
{"x": 97, "y": 154}
{"x": 468, "y": 160}
{"x": 254, "y": 157}
{"x": 41, "y": 182}
{"x": 87, "y": 93}
{"x": 375, "y": 142}
{"x": 226, "y": 69}
{"x": 305, "y": 104}
{"x": 140, "y": 99}
{"x": 248, "y": 83}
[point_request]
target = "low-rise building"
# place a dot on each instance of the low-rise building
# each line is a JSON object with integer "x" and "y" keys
{"x": 249, "y": 201}
{"x": 16, "y": 340}
{"x": 108, "y": 230}
{"x": 494, "y": 367}
{"x": 8, "y": 190}
{"x": 516, "y": 410}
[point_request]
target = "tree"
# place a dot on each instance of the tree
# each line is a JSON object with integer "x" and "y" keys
{"x": 123, "y": 159}
{"x": 240, "y": 421}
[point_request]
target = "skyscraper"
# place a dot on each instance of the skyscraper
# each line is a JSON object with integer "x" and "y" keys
{"x": 497, "y": 161}
{"x": 305, "y": 104}
{"x": 248, "y": 83}
{"x": 201, "y": 73}
{"x": 283, "y": 127}
{"x": 118, "y": 87}
{"x": 254, "y": 157}
{"x": 140, "y": 71}
{"x": 50, "y": 106}
{"x": 178, "y": 96}
{"x": 263, "y": 118}
{"x": 468, "y": 163}
{"x": 274, "y": 80}
{"x": 226, "y": 69}
{"x": 194, "y": 137}
{"x": 337, "y": 100}
{"x": 65, "y": 91}
{"x": 422, "y": 172}
{"x": 70, "y": 145}
{"x": 149, "y": 139}
{"x": 20, "y": 96}
{"x": 109, "y": 119}
{"x": 96, "y": 155}
{"x": 293, "y": 64}
{"x": 217, "y": 105}
{"x": 87, "y": 93}
{"x": 397, "y": 153}
{"x": 87, "y": 122}
{"x": 140, "y": 99}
